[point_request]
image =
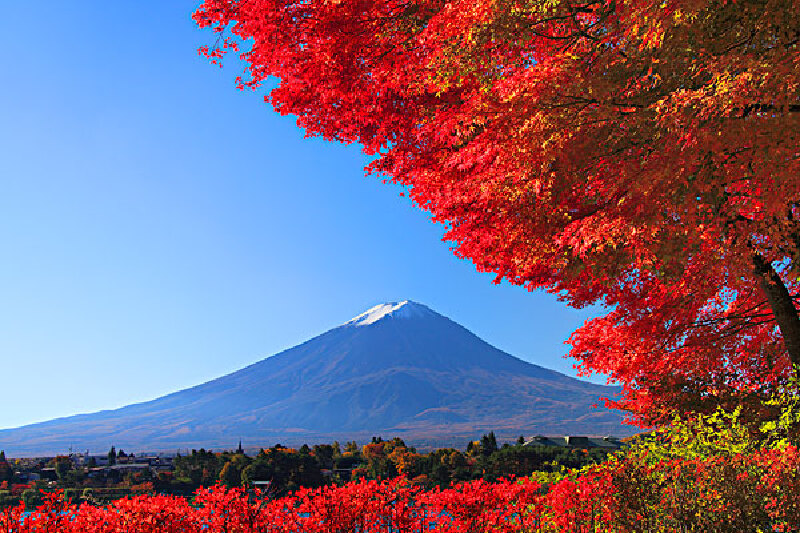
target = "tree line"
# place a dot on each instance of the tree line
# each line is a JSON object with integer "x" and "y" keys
{"x": 287, "y": 469}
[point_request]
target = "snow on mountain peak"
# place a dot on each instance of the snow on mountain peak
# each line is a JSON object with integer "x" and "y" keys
{"x": 404, "y": 309}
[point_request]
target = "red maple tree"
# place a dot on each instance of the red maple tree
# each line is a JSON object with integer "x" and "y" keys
{"x": 640, "y": 154}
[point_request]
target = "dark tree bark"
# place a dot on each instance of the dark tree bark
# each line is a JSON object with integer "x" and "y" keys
{"x": 782, "y": 305}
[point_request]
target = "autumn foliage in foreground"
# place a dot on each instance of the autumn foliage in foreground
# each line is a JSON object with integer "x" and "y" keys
{"x": 744, "y": 492}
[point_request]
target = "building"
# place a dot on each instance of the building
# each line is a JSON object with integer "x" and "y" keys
{"x": 575, "y": 441}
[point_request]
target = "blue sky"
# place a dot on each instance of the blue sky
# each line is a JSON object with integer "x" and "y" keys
{"x": 160, "y": 228}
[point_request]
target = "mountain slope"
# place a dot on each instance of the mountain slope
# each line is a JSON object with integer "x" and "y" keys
{"x": 397, "y": 369}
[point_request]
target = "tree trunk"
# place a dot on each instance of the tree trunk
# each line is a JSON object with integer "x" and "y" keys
{"x": 782, "y": 306}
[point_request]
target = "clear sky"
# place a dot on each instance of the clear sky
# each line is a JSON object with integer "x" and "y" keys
{"x": 160, "y": 228}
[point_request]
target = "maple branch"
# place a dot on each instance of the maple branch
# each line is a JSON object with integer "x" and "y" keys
{"x": 739, "y": 319}
{"x": 733, "y": 324}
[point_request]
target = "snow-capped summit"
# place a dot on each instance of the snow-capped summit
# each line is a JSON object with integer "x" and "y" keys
{"x": 404, "y": 309}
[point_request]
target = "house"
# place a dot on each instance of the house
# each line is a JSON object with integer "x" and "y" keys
{"x": 27, "y": 477}
{"x": 541, "y": 440}
{"x": 124, "y": 469}
{"x": 575, "y": 441}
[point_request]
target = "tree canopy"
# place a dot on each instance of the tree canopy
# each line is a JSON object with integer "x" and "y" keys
{"x": 639, "y": 154}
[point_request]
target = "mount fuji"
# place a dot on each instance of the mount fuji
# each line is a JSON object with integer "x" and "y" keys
{"x": 398, "y": 369}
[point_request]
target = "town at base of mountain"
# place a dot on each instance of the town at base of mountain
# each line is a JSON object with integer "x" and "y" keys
{"x": 279, "y": 469}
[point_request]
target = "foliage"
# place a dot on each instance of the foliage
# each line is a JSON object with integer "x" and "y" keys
{"x": 697, "y": 437}
{"x": 785, "y": 428}
{"x": 722, "y": 433}
{"x": 757, "y": 491}
{"x": 200, "y": 468}
{"x": 62, "y": 466}
{"x": 6, "y": 472}
{"x": 284, "y": 468}
{"x": 642, "y": 154}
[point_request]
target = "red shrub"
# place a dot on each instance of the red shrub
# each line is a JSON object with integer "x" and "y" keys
{"x": 721, "y": 494}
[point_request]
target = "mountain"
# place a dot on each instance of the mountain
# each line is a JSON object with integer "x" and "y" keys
{"x": 399, "y": 369}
